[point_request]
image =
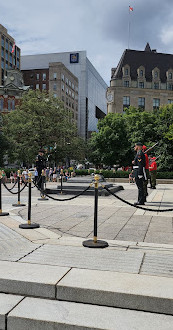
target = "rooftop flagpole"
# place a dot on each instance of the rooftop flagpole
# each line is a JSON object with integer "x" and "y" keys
{"x": 130, "y": 10}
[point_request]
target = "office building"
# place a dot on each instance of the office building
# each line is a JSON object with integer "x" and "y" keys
{"x": 10, "y": 54}
{"x": 91, "y": 93}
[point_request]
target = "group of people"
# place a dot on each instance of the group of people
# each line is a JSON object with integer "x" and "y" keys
{"x": 144, "y": 168}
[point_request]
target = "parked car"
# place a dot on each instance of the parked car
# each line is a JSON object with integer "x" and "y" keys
{"x": 32, "y": 171}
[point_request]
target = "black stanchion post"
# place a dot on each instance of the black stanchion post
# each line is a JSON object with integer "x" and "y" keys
{"x": 18, "y": 183}
{"x": 1, "y": 213}
{"x": 43, "y": 197}
{"x": 29, "y": 225}
{"x": 61, "y": 175}
{"x": 95, "y": 243}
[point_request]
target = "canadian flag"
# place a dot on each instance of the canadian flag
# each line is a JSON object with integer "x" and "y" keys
{"x": 130, "y": 8}
{"x": 13, "y": 49}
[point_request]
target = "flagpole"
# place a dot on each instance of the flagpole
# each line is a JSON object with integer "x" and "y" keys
{"x": 129, "y": 31}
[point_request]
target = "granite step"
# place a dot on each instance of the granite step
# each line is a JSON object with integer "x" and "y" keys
{"x": 43, "y": 314}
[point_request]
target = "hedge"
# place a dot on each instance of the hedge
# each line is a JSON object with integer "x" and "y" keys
{"x": 121, "y": 174}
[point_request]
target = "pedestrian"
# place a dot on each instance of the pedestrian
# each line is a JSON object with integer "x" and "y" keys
{"x": 144, "y": 149}
{"x": 40, "y": 165}
{"x": 47, "y": 174}
{"x": 153, "y": 172}
{"x": 35, "y": 176}
{"x": 15, "y": 177}
{"x": 139, "y": 172}
{"x": 11, "y": 176}
{"x": 54, "y": 175}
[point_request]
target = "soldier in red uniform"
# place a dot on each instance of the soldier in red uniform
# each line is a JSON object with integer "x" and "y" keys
{"x": 153, "y": 172}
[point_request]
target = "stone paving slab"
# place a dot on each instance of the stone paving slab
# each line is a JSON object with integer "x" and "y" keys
{"x": 80, "y": 257}
{"x": 39, "y": 314}
{"x": 30, "y": 280}
{"x": 158, "y": 264}
{"x": 7, "y": 303}
{"x": 130, "y": 291}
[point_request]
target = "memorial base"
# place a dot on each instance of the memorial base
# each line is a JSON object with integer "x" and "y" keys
{"x": 31, "y": 226}
{"x": 95, "y": 245}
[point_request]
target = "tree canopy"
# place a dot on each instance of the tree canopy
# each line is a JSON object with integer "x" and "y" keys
{"x": 41, "y": 121}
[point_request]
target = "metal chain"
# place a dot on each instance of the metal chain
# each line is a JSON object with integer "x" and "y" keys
{"x": 139, "y": 207}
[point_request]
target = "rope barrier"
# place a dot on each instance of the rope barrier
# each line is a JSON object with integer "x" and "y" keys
{"x": 139, "y": 207}
{"x": 62, "y": 200}
{"x": 14, "y": 193}
{"x": 13, "y": 186}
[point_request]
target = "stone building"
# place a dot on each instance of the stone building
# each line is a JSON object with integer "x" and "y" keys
{"x": 143, "y": 79}
{"x": 58, "y": 80}
{"x": 9, "y": 59}
{"x": 91, "y": 91}
{"x": 12, "y": 90}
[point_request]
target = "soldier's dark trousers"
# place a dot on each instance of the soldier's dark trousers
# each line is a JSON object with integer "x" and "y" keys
{"x": 140, "y": 185}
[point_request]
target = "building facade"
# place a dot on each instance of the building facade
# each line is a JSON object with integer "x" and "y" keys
{"x": 91, "y": 93}
{"x": 12, "y": 90}
{"x": 9, "y": 59}
{"x": 58, "y": 80}
{"x": 143, "y": 79}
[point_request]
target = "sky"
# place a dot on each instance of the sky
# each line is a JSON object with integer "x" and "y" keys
{"x": 101, "y": 27}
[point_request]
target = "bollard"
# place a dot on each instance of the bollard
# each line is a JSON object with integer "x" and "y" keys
{"x": 61, "y": 175}
{"x": 43, "y": 197}
{"x": 29, "y": 225}
{"x": 95, "y": 243}
{"x": 18, "y": 182}
{"x": 1, "y": 213}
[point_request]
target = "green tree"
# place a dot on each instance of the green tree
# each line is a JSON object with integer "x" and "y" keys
{"x": 41, "y": 121}
{"x": 110, "y": 145}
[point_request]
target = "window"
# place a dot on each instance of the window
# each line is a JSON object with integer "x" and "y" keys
{"x": 155, "y": 74}
{"x": 156, "y": 85}
{"x": 66, "y": 91}
{"x": 44, "y": 76}
{"x": 69, "y": 82}
{"x": 72, "y": 95}
{"x": 38, "y": 76}
{"x": 62, "y": 87}
{"x": 11, "y": 104}
{"x": 66, "y": 81}
{"x": 141, "y": 102}
{"x": 126, "y": 83}
{"x": 1, "y": 103}
{"x": 72, "y": 86}
{"x": 156, "y": 103}
{"x": 62, "y": 77}
{"x": 54, "y": 87}
{"x": 55, "y": 75}
{"x": 126, "y": 101}
{"x": 18, "y": 53}
{"x": 17, "y": 63}
{"x": 126, "y": 72}
{"x": 6, "y": 55}
{"x": 76, "y": 89}
{"x": 44, "y": 87}
{"x": 2, "y": 52}
{"x": 170, "y": 75}
{"x": 55, "y": 95}
{"x": 2, "y": 41}
{"x": 31, "y": 76}
{"x": 141, "y": 84}
{"x": 170, "y": 87}
{"x": 69, "y": 92}
{"x": 6, "y": 44}
{"x": 141, "y": 73}
{"x": 2, "y": 63}
{"x": 37, "y": 86}
{"x": 170, "y": 101}
{"x": 10, "y": 58}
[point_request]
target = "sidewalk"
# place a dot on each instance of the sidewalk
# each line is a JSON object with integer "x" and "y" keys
{"x": 134, "y": 273}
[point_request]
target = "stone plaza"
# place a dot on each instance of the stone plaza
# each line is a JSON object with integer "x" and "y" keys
{"x": 48, "y": 280}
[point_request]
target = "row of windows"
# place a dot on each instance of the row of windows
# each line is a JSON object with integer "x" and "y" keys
{"x": 9, "y": 65}
{"x": 11, "y": 104}
{"x": 68, "y": 82}
{"x": 38, "y": 76}
{"x": 141, "y": 74}
{"x": 37, "y": 86}
{"x": 141, "y": 85}
{"x": 141, "y": 102}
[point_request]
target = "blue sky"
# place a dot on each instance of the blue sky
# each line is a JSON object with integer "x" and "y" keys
{"x": 98, "y": 26}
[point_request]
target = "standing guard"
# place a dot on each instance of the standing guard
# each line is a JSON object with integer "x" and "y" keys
{"x": 139, "y": 172}
{"x": 40, "y": 165}
{"x": 153, "y": 172}
{"x": 144, "y": 149}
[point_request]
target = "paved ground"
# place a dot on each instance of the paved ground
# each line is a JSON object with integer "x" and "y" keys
{"x": 140, "y": 244}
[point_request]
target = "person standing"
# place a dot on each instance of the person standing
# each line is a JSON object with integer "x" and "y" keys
{"x": 40, "y": 164}
{"x": 139, "y": 172}
{"x": 144, "y": 148}
{"x": 153, "y": 172}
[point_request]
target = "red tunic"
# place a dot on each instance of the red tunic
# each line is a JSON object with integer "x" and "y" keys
{"x": 153, "y": 166}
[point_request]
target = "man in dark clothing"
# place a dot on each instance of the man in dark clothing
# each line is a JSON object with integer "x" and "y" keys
{"x": 139, "y": 172}
{"x": 40, "y": 165}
